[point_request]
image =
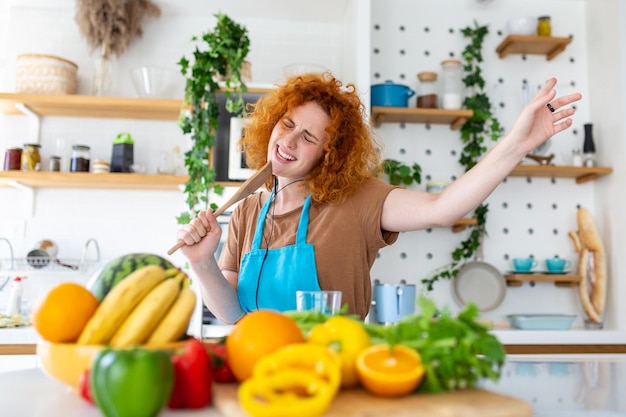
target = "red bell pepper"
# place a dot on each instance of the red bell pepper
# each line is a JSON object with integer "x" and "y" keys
{"x": 219, "y": 363}
{"x": 84, "y": 387}
{"x": 193, "y": 376}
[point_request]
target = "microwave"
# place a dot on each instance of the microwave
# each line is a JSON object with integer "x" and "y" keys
{"x": 229, "y": 161}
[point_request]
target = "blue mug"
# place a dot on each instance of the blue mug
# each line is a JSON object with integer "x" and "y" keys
{"x": 557, "y": 264}
{"x": 524, "y": 264}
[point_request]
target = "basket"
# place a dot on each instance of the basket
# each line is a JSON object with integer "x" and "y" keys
{"x": 45, "y": 74}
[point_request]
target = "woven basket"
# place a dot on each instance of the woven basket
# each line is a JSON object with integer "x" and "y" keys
{"x": 45, "y": 74}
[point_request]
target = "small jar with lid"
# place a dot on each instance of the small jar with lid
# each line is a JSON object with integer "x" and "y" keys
{"x": 451, "y": 84}
{"x": 13, "y": 159}
{"x": 427, "y": 90}
{"x": 55, "y": 163}
{"x": 544, "y": 27}
{"x": 31, "y": 159}
{"x": 80, "y": 158}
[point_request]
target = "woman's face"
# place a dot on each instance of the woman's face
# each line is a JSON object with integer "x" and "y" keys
{"x": 297, "y": 142}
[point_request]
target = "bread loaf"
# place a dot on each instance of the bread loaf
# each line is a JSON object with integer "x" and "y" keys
{"x": 585, "y": 286}
{"x": 590, "y": 240}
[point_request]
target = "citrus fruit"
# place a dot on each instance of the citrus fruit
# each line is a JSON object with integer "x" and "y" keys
{"x": 257, "y": 334}
{"x": 62, "y": 313}
{"x": 390, "y": 372}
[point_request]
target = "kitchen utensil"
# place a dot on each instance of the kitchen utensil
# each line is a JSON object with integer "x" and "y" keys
{"x": 541, "y": 321}
{"x": 358, "y": 403}
{"x": 153, "y": 82}
{"x": 247, "y": 188}
{"x": 524, "y": 264}
{"x": 326, "y": 302}
{"x": 524, "y": 25}
{"x": 480, "y": 283}
{"x": 393, "y": 302}
{"x": 557, "y": 264}
{"x": 390, "y": 94}
{"x": 38, "y": 258}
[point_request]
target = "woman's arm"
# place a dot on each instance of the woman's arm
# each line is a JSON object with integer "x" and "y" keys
{"x": 217, "y": 288}
{"x": 406, "y": 210}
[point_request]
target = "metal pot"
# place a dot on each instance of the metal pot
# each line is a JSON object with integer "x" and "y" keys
{"x": 392, "y": 302}
{"x": 390, "y": 94}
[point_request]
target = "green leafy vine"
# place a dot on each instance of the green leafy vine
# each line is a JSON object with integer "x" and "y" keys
{"x": 483, "y": 124}
{"x": 223, "y": 55}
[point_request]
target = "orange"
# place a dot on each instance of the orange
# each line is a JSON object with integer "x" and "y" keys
{"x": 390, "y": 372}
{"x": 62, "y": 313}
{"x": 258, "y": 334}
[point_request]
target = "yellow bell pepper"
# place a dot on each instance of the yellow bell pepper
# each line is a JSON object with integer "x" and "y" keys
{"x": 298, "y": 380}
{"x": 348, "y": 338}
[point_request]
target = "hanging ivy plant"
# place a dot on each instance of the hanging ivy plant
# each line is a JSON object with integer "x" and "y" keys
{"x": 483, "y": 124}
{"x": 221, "y": 58}
{"x": 400, "y": 173}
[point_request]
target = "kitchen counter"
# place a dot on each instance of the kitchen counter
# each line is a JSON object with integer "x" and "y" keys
{"x": 567, "y": 385}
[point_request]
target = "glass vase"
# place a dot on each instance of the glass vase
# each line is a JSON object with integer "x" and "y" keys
{"x": 101, "y": 85}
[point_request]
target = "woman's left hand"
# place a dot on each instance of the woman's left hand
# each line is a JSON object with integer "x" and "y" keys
{"x": 538, "y": 122}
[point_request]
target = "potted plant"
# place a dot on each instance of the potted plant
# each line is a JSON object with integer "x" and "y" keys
{"x": 221, "y": 59}
{"x": 400, "y": 173}
{"x": 483, "y": 124}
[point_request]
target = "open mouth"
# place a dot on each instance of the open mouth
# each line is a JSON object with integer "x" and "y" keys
{"x": 284, "y": 156}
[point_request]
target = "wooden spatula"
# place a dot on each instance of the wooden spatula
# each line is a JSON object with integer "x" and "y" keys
{"x": 251, "y": 185}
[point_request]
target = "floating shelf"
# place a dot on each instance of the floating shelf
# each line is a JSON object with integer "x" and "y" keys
{"x": 533, "y": 45}
{"x": 462, "y": 224}
{"x": 581, "y": 174}
{"x": 455, "y": 118}
{"x": 560, "y": 280}
{"x": 73, "y": 105}
{"x": 86, "y": 180}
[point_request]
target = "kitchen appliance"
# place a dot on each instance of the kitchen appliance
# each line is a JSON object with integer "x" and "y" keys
{"x": 392, "y": 302}
{"x": 390, "y": 94}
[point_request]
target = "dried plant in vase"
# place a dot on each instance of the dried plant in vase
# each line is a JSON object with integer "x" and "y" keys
{"x": 109, "y": 26}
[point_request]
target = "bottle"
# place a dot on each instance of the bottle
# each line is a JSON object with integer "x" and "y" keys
{"x": 14, "y": 306}
{"x": 31, "y": 159}
{"x": 577, "y": 158}
{"x": 427, "y": 90}
{"x": 451, "y": 84}
{"x": 544, "y": 28}
{"x": 80, "y": 159}
{"x": 589, "y": 148}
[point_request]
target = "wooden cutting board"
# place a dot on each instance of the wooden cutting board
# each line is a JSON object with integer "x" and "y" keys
{"x": 472, "y": 402}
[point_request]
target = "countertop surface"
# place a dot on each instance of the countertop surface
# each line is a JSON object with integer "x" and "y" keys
{"x": 554, "y": 386}
{"x": 27, "y": 335}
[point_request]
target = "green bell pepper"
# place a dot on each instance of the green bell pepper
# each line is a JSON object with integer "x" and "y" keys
{"x": 132, "y": 382}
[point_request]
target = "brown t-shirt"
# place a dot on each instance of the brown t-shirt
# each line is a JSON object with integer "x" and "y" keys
{"x": 346, "y": 239}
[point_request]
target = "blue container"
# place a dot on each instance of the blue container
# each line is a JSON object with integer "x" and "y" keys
{"x": 393, "y": 302}
{"x": 391, "y": 95}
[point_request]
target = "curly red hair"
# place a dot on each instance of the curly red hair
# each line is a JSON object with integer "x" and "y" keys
{"x": 351, "y": 155}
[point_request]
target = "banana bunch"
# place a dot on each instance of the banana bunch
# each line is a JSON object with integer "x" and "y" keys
{"x": 150, "y": 305}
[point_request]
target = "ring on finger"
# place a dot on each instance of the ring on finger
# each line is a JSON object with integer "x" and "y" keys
{"x": 550, "y": 107}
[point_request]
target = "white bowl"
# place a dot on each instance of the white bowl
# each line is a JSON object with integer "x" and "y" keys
{"x": 154, "y": 82}
{"x": 522, "y": 25}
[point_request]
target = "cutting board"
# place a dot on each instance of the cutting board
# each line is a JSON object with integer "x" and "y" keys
{"x": 471, "y": 402}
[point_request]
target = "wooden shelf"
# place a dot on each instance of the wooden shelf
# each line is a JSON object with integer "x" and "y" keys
{"x": 73, "y": 105}
{"x": 462, "y": 224}
{"x": 560, "y": 280}
{"x": 87, "y": 180}
{"x": 533, "y": 45}
{"x": 581, "y": 174}
{"x": 455, "y": 118}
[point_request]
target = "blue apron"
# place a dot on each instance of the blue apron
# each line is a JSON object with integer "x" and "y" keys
{"x": 269, "y": 278}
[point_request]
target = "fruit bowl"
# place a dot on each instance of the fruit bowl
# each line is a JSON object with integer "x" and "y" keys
{"x": 65, "y": 362}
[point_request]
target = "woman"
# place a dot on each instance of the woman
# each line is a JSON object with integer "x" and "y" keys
{"x": 324, "y": 215}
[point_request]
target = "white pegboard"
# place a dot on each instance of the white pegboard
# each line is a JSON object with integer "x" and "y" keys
{"x": 527, "y": 217}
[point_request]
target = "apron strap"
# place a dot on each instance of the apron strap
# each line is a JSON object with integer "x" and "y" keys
{"x": 302, "y": 225}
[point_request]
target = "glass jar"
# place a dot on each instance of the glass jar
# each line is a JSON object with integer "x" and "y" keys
{"x": 13, "y": 159}
{"x": 427, "y": 90}
{"x": 544, "y": 28}
{"x": 55, "y": 163}
{"x": 31, "y": 159}
{"x": 80, "y": 159}
{"x": 451, "y": 84}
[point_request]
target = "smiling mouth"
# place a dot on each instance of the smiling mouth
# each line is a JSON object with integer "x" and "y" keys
{"x": 284, "y": 156}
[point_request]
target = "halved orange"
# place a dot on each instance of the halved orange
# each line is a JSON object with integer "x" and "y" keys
{"x": 390, "y": 372}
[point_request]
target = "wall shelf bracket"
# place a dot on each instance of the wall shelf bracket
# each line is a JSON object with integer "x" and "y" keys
{"x": 34, "y": 121}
